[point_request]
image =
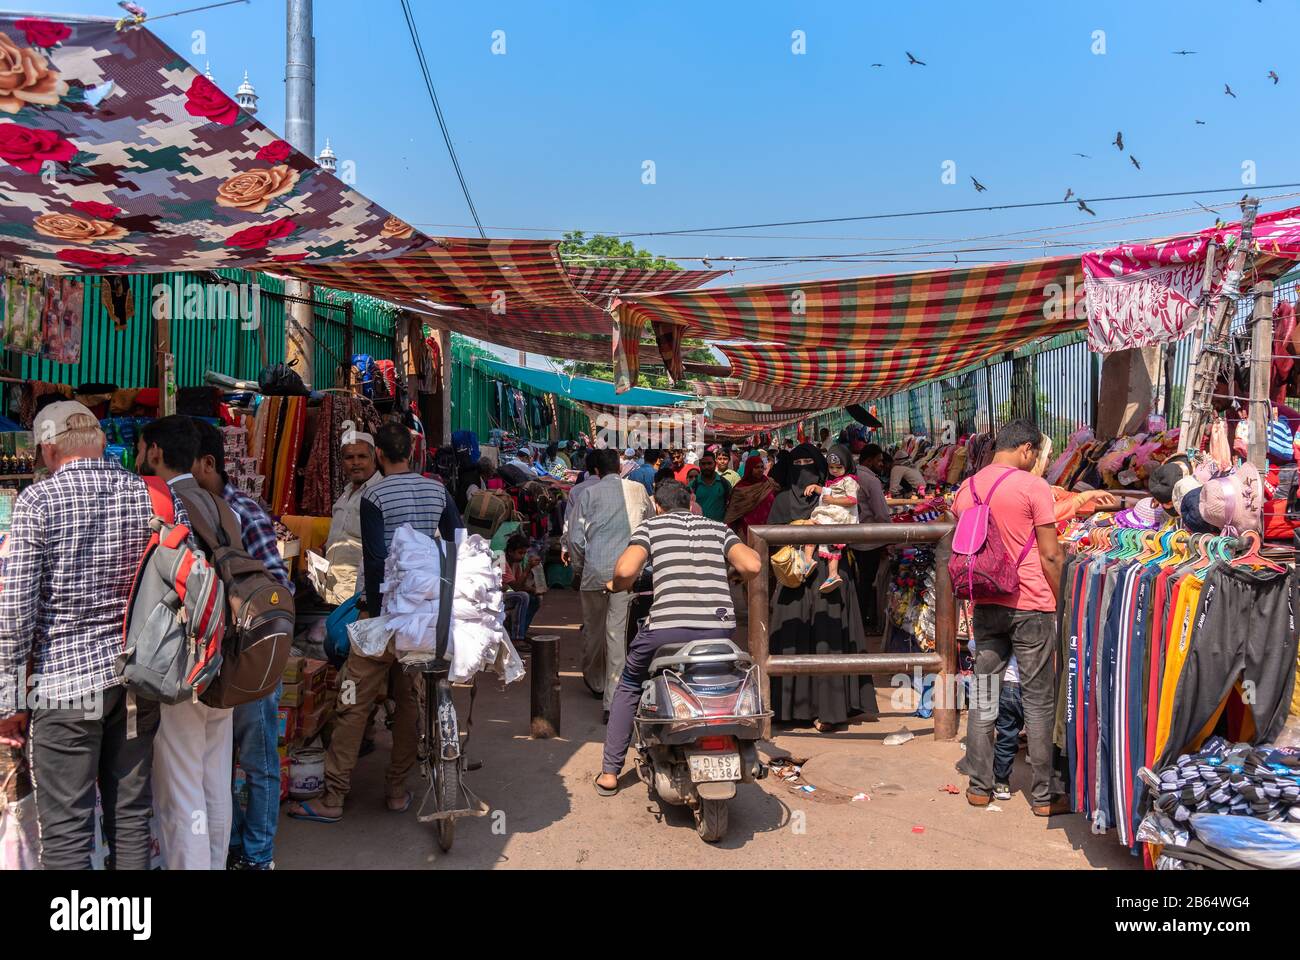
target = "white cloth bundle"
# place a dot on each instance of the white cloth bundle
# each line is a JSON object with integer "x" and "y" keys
{"x": 413, "y": 595}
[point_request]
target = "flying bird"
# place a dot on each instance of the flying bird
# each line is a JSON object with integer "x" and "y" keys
{"x": 1084, "y": 207}
{"x": 877, "y": 64}
{"x": 1272, "y": 75}
{"x": 912, "y": 60}
{"x": 1084, "y": 155}
{"x": 1134, "y": 161}
{"x": 1228, "y": 90}
{"x": 1069, "y": 192}
{"x": 1201, "y": 122}
{"x": 1119, "y": 140}
{"x": 1183, "y": 53}
{"x": 979, "y": 187}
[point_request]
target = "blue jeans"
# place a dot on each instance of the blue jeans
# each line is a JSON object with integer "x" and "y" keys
{"x": 527, "y": 604}
{"x": 1011, "y": 719}
{"x": 256, "y": 737}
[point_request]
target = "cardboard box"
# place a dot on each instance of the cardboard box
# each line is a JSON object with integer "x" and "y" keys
{"x": 313, "y": 675}
{"x": 331, "y": 678}
{"x": 293, "y": 669}
{"x": 288, "y": 720}
{"x": 311, "y": 724}
{"x": 291, "y": 694}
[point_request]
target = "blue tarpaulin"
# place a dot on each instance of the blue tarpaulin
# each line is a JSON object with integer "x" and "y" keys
{"x": 582, "y": 389}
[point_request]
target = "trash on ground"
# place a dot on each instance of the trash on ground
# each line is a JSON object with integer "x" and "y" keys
{"x": 950, "y": 788}
{"x": 860, "y": 796}
{"x": 993, "y": 808}
{"x": 901, "y": 737}
{"x": 806, "y": 788}
{"x": 918, "y": 829}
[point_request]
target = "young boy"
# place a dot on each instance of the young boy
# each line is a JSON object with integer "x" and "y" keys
{"x": 838, "y": 505}
{"x": 517, "y": 585}
{"x": 1011, "y": 720}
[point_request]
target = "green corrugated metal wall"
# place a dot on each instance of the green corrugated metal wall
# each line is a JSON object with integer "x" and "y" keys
{"x": 126, "y": 357}
{"x": 473, "y": 397}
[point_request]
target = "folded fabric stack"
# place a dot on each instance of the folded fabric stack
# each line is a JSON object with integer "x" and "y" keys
{"x": 1226, "y": 778}
{"x": 413, "y": 596}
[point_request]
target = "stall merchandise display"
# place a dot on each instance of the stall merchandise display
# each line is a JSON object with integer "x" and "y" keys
{"x": 911, "y": 599}
{"x": 323, "y": 478}
{"x": 1155, "y": 629}
{"x": 277, "y": 441}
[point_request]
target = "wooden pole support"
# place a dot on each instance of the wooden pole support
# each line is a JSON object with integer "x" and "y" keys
{"x": 544, "y": 706}
{"x": 1261, "y": 365}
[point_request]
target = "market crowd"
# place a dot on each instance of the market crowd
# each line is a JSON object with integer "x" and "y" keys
{"x": 77, "y": 540}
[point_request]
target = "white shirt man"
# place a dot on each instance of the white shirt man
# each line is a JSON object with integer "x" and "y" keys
{"x": 600, "y": 527}
{"x": 343, "y": 546}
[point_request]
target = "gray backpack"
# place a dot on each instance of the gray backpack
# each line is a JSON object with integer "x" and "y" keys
{"x": 176, "y": 618}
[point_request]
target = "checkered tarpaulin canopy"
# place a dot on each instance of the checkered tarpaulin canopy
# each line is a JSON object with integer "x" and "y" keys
{"x": 919, "y": 315}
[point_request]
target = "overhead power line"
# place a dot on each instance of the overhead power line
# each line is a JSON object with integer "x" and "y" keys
{"x": 437, "y": 109}
{"x": 935, "y": 213}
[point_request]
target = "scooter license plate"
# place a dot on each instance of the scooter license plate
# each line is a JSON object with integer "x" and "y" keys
{"x": 714, "y": 767}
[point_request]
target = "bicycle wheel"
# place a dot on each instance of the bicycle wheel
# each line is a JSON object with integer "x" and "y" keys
{"x": 445, "y": 773}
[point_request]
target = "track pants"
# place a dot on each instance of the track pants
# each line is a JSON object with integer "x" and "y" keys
{"x": 1245, "y": 629}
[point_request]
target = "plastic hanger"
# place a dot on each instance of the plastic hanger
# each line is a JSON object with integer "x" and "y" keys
{"x": 1251, "y": 555}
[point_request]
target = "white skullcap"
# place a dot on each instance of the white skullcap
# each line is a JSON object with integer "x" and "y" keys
{"x": 353, "y": 436}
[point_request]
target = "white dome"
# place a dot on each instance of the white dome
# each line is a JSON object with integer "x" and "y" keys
{"x": 246, "y": 89}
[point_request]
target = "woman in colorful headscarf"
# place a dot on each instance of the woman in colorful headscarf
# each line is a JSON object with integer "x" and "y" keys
{"x": 751, "y": 498}
{"x": 806, "y": 621}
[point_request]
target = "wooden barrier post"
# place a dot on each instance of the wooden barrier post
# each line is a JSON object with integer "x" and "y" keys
{"x": 943, "y": 661}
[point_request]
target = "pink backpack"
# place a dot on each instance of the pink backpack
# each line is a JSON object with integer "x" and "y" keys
{"x": 980, "y": 567}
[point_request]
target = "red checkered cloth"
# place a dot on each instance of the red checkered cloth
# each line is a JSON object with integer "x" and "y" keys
{"x": 779, "y": 398}
{"x": 870, "y": 373}
{"x": 482, "y": 325}
{"x": 598, "y": 283}
{"x": 521, "y": 283}
{"x": 762, "y": 418}
{"x": 999, "y": 305}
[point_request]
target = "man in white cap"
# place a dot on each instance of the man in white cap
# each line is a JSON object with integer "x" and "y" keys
{"x": 74, "y": 546}
{"x": 630, "y": 462}
{"x": 343, "y": 546}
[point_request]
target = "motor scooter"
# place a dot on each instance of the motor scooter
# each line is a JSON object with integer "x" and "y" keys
{"x": 697, "y": 729}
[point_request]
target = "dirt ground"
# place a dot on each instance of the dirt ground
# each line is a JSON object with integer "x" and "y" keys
{"x": 546, "y": 814}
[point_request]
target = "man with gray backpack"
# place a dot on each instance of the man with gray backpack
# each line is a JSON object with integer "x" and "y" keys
{"x": 1008, "y": 560}
{"x": 75, "y": 544}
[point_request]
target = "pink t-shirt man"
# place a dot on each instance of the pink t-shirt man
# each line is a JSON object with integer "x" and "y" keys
{"x": 1021, "y": 502}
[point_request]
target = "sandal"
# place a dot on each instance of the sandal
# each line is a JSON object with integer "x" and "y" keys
{"x": 605, "y": 791}
{"x": 305, "y": 812}
{"x": 830, "y": 585}
{"x": 823, "y": 727}
{"x": 405, "y": 801}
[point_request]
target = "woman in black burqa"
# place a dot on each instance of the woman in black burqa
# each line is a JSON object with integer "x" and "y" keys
{"x": 806, "y": 621}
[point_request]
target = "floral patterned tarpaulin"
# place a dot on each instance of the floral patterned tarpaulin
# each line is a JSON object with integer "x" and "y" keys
{"x": 1140, "y": 294}
{"x": 120, "y": 157}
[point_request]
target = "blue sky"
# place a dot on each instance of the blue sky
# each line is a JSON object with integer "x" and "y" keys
{"x": 553, "y": 134}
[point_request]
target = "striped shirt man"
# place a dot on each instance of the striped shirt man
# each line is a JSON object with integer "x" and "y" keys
{"x": 398, "y": 499}
{"x": 689, "y": 556}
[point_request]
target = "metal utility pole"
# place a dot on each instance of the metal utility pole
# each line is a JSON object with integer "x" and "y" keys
{"x": 300, "y": 128}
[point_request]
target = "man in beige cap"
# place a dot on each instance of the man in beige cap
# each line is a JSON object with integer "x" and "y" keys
{"x": 74, "y": 546}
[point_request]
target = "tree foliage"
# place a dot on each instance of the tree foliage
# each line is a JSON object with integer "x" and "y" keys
{"x": 579, "y": 250}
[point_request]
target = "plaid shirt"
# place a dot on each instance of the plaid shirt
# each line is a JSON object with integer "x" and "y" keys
{"x": 259, "y": 534}
{"x": 73, "y": 549}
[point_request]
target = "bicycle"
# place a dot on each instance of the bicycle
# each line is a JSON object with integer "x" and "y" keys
{"x": 441, "y": 749}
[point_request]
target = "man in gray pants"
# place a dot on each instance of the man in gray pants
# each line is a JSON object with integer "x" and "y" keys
{"x": 1022, "y": 622}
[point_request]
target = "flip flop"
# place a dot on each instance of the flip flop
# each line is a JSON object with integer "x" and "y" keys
{"x": 830, "y": 585}
{"x": 406, "y": 803}
{"x": 311, "y": 815}
{"x": 605, "y": 791}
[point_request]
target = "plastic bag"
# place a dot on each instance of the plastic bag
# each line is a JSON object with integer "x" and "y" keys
{"x": 20, "y": 842}
{"x": 1271, "y": 845}
{"x": 369, "y": 638}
